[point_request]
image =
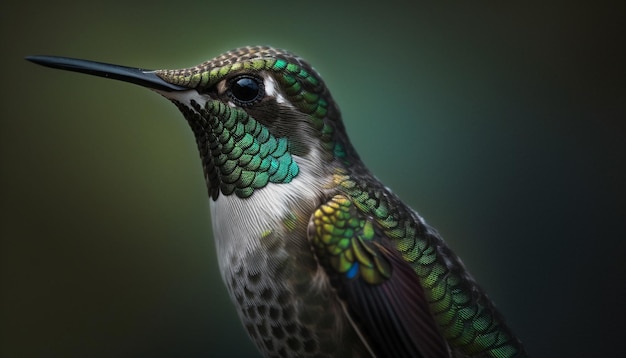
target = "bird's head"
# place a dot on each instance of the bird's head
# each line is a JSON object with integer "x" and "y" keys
{"x": 255, "y": 112}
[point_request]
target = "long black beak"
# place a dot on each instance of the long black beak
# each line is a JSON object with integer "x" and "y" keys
{"x": 145, "y": 78}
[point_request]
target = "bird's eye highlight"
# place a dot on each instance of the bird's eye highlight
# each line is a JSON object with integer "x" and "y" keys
{"x": 245, "y": 90}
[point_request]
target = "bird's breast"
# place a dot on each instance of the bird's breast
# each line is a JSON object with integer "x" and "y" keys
{"x": 283, "y": 298}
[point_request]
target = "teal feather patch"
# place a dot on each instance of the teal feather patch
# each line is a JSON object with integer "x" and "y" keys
{"x": 243, "y": 155}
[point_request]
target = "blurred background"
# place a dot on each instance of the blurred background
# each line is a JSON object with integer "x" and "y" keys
{"x": 502, "y": 124}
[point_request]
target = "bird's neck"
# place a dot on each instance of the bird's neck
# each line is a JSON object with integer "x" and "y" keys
{"x": 241, "y": 224}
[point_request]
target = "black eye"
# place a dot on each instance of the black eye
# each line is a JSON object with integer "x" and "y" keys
{"x": 245, "y": 90}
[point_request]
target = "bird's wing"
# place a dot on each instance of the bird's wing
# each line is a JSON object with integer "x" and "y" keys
{"x": 380, "y": 291}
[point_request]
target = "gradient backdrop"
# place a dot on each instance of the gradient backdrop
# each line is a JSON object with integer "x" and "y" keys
{"x": 503, "y": 125}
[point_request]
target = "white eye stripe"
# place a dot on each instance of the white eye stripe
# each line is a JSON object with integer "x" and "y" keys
{"x": 271, "y": 89}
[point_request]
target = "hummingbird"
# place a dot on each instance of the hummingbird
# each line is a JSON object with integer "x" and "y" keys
{"x": 318, "y": 256}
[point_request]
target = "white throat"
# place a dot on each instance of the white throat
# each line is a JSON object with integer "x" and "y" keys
{"x": 239, "y": 224}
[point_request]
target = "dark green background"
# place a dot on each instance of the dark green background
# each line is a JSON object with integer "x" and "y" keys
{"x": 502, "y": 124}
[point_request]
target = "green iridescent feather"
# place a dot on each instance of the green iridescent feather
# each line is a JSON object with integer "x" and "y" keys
{"x": 299, "y": 82}
{"x": 345, "y": 241}
{"x": 243, "y": 155}
{"x": 466, "y": 318}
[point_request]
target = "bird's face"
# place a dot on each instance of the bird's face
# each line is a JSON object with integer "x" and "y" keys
{"x": 257, "y": 113}
{"x": 254, "y": 111}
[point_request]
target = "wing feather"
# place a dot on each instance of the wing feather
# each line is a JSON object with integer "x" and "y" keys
{"x": 380, "y": 291}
